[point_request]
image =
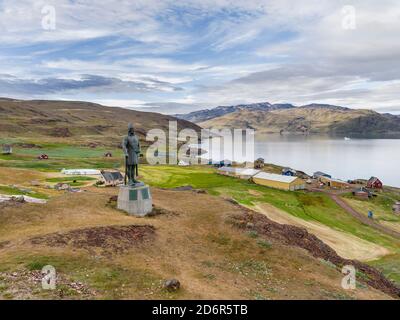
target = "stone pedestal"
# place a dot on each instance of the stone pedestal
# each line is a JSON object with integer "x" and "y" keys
{"x": 135, "y": 200}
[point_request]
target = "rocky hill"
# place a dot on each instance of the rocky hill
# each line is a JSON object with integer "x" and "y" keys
{"x": 207, "y": 114}
{"x": 74, "y": 120}
{"x": 286, "y": 118}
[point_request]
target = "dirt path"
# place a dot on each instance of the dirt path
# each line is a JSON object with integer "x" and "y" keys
{"x": 362, "y": 218}
{"x": 346, "y": 245}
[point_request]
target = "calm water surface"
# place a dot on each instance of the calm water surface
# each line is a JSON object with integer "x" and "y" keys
{"x": 343, "y": 159}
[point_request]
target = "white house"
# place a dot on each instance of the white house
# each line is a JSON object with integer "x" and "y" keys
{"x": 81, "y": 172}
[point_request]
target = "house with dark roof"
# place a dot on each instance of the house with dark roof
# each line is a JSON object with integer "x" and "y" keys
{"x": 362, "y": 193}
{"x": 259, "y": 163}
{"x": 374, "y": 183}
{"x": 320, "y": 174}
{"x": 112, "y": 178}
{"x": 288, "y": 172}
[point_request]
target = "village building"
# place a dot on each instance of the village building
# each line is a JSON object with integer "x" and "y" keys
{"x": 81, "y": 172}
{"x": 278, "y": 181}
{"x": 320, "y": 174}
{"x": 396, "y": 208}
{"x": 7, "y": 149}
{"x": 242, "y": 173}
{"x": 221, "y": 163}
{"x": 246, "y": 173}
{"x": 288, "y": 172}
{"x": 302, "y": 175}
{"x": 362, "y": 193}
{"x": 62, "y": 186}
{"x": 259, "y": 163}
{"x": 112, "y": 178}
{"x": 43, "y": 157}
{"x": 357, "y": 181}
{"x": 374, "y": 183}
{"x": 334, "y": 183}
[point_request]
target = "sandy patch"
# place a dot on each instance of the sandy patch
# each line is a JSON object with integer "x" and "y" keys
{"x": 346, "y": 245}
{"x": 392, "y": 225}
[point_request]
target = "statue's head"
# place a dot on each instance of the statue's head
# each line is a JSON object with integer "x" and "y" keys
{"x": 131, "y": 129}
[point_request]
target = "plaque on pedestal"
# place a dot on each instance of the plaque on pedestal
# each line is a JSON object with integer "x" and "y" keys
{"x": 135, "y": 200}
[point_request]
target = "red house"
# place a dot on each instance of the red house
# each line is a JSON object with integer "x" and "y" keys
{"x": 374, "y": 183}
{"x": 43, "y": 157}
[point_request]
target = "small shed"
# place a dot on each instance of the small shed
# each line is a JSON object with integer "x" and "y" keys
{"x": 362, "y": 193}
{"x": 396, "y": 208}
{"x": 112, "y": 178}
{"x": 7, "y": 149}
{"x": 288, "y": 172}
{"x": 374, "y": 183}
{"x": 334, "y": 183}
{"x": 319, "y": 174}
{"x": 259, "y": 163}
{"x": 43, "y": 157}
{"x": 62, "y": 186}
{"x": 81, "y": 172}
{"x": 278, "y": 181}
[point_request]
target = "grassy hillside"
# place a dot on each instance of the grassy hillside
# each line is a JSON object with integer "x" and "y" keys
{"x": 310, "y": 119}
{"x": 75, "y": 122}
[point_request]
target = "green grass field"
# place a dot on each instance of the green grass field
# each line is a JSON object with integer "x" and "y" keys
{"x": 381, "y": 205}
{"x": 76, "y": 181}
{"x": 9, "y": 190}
{"x": 302, "y": 204}
{"x": 61, "y": 156}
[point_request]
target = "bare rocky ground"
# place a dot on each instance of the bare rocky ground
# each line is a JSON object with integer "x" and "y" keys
{"x": 300, "y": 237}
{"x": 24, "y": 284}
{"x": 110, "y": 239}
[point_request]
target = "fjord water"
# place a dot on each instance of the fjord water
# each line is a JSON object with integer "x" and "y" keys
{"x": 343, "y": 159}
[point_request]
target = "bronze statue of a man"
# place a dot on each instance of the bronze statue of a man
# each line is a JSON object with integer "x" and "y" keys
{"x": 131, "y": 148}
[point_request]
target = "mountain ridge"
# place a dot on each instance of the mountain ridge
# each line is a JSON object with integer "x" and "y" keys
{"x": 77, "y": 120}
{"x": 307, "y": 119}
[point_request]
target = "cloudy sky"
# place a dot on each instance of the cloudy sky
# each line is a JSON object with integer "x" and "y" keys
{"x": 193, "y": 54}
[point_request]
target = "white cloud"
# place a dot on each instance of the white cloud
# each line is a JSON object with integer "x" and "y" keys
{"x": 218, "y": 51}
